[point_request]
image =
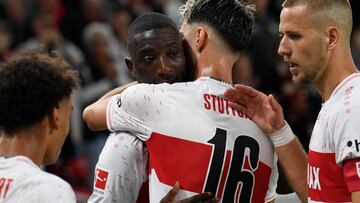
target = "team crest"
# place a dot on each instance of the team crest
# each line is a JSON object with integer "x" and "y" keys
{"x": 358, "y": 168}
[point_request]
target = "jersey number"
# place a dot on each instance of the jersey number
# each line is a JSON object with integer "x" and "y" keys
{"x": 237, "y": 175}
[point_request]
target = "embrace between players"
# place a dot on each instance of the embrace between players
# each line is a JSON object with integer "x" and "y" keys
{"x": 188, "y": 131}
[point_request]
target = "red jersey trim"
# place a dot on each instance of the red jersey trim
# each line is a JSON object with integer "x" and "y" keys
{"x": 351, "y": 170}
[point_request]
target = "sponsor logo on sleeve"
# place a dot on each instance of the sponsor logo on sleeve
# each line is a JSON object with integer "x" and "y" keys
{"x": 101, "y": 178}
{"x": 355, "y": 144}
{"x": 118, "y": 101}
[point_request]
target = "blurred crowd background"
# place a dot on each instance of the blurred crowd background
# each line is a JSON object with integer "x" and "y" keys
{"x": 91, "y": 35}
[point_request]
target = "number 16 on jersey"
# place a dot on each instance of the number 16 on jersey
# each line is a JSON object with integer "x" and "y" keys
{"x": 234, "y": 181}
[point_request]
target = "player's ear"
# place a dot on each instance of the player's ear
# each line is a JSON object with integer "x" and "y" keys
{"x": 333, "y": 36}
{"x": 201, "y": 38}
{"x": 54, "y": 119}
{"x": 130, "y": 66}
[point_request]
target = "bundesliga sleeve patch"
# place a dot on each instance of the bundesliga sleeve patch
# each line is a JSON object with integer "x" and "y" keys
{"x": 101, "y": 178}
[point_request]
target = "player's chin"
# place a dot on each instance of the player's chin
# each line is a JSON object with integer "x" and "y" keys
{"x": 300, "y": 79}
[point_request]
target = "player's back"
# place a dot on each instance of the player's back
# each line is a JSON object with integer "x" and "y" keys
{"x": 21, "y": 181}
{"x": 195, "y": 137}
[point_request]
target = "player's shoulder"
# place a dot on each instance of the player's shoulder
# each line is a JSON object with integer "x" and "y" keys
{"x": 144, "y": 90}
{"x": 349, "y": 87}
{"x": 46, "y": 187}
{"x": 51, "y": 184}
{"x": 347, "y": 94}
{"x": 147, "y": 87}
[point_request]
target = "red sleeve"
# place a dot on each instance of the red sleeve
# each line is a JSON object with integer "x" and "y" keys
{"x": 351, "y": 171}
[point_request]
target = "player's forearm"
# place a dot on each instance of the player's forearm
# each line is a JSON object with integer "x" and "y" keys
{"x": 293, "y": 161}
{"x": 95, "y": 114}
{"x": 116, "y": 91}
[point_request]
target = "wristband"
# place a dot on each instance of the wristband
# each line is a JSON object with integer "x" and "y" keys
{"x": 282, "y": 136}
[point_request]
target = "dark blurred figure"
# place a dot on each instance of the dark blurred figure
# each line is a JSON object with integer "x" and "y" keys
{"x": 17, "y": 16}
{"x": 97, "y": 42}
{"x": 47, "y": 35}
{"x": 355, "y": 45}
{"x": 263, "y": 48}
{"x": 78, "y": 14}
{"x": 119, "y": 19}
{"x": 243, "y": 72}
{"x": 5, "y": 41}
{"x": 55, "y": 7}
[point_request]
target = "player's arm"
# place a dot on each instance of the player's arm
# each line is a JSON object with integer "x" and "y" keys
{"x": 351, "y": 177}
{"x": 132, "y": 165}
{"x": 95, "y": 114}
{"x": 355, "y": 197}
{"x": 293, "y": 161}
{"x": 266, "y": 112}
{"x": 345, "y": 137}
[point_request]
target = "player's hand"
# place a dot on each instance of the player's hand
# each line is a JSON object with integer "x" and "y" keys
{"x": 264, "y": 110}
{"x": 203, "y": 197}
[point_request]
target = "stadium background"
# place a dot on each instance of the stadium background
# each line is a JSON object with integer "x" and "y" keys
{"x": 91, "y": 35}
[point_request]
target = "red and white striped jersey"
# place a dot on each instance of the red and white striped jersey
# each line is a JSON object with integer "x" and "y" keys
{"x": 193, "y": 136}
{"x": 335, "y": 138}
{"x": 22, "y": 181}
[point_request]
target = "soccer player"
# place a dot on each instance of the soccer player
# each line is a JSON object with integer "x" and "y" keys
{"x": 190, "y": 131}
{"x": 316, "y": 44}
{"x": 35, "y": 111}
{"x": 156, "y": 51}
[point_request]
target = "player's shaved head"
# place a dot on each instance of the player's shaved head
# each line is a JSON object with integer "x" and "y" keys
{"x": 146, "y": 22}
{"x": 325, "y": 13}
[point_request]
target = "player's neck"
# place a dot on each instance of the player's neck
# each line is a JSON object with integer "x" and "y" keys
{"x": 216, "y": 65}
{"x": 24, "y": 144}
{"x": 334, "y": 74}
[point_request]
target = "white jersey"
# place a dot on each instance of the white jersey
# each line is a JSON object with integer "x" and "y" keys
{"x": 335, "y": 138}
{"x": 121, "y": 170}
{"x": 21, "y": 181}
{"x": 194, "y": 137}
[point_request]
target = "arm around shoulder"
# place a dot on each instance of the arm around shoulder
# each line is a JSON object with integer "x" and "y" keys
{"x": 95, "y": 114}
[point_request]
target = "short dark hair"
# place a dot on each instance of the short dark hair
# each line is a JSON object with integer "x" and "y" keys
{"x": 233, "y": 19}
{"x": 149, "y": 21}
{"x": 328, "y": 12}
{"x": 31, "y": 86}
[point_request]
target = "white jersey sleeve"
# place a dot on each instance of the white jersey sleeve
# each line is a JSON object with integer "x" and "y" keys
{"x": 135, "y": 109}
{"x": 346, "y": 128}
{"x": 121, "y": 169}
{"x": 271, "y": 193}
